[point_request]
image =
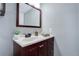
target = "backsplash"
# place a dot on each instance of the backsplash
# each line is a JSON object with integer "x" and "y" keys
{"x": 28, "y": 30}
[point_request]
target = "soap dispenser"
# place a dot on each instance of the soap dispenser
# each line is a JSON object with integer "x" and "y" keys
{"x": 36, "y": 33}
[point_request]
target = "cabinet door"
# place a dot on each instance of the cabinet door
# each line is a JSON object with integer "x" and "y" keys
{"x": 16, "y": 49}
{"x": 51, "y": 46}
{"x": 42, "y": 48}
{"x": 32, "y": 50}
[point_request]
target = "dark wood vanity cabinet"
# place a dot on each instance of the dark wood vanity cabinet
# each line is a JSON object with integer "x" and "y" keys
{"x": 43, "y": 48}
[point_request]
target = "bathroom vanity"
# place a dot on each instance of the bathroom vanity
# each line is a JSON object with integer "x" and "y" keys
{"x": 34, "y": 46}
{"x": 30, "y": 16}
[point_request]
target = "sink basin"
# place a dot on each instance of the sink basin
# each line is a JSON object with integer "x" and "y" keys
{"x": 33, "y": 38}
{"x": 29, "y": 39}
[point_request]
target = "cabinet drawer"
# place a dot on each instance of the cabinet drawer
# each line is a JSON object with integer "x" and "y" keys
{"x": 42, "y": 48}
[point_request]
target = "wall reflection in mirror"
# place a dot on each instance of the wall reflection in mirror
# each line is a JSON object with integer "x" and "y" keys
{"x": 28, "y": 15}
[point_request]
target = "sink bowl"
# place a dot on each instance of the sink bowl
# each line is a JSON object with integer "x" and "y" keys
{"x": 30, "y": 39}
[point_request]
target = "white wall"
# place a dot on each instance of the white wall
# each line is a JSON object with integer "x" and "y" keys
{"x": 7, "y": 27}
{"x": 62, "y": 18}
{"x": 78, "y": 29}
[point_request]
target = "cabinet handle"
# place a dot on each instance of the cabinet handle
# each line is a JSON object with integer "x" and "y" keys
{"x": 41, "y": 46}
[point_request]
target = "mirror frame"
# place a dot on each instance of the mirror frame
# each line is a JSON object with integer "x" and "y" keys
{"x": 17, "y": 17}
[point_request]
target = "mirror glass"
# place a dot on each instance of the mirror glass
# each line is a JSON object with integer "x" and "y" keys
{"x": 28, "y": 15}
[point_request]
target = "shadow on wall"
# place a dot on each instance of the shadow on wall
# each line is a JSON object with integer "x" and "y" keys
{"x": 56, "y": 49}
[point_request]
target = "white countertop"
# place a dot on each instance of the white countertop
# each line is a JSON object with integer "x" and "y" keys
{"x": 23, "y": 42}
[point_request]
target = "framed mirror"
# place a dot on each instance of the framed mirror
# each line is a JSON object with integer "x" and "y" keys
{"x": 2, "y": 9}
{"x": 28, "y": 16}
